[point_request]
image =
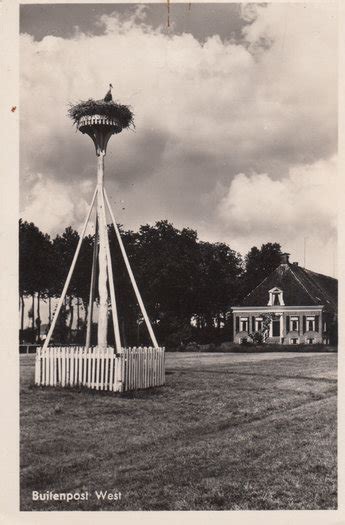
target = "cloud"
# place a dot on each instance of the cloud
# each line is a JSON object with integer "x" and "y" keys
{"x": 257, "y": 209}
{"x": 52, "y": 206}
{"x": 305, "y": 199}
{"x": 204, "y": 112}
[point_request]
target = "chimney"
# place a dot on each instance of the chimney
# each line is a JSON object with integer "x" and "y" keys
{"x": 284, "y": 258}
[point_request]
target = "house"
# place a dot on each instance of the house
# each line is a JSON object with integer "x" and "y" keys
{"x": 292, "y": 305}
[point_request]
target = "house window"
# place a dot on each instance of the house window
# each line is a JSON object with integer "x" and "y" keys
{"x": 294, "y": 340}
{"x": 311, "y": 324}
{"x": 310, "y": 341}
{"x": 275, "y": 297}
{"x": 294, "y": 324}
{"x": 244, "y": 324}
{"x": 258, "y": 324}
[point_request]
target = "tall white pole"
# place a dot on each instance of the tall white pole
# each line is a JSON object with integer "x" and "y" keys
{"x": 129, "y": 269}
{"x": 102, "y": 257}
{"x": 65, "y": 288}
{"x": 92, "y": 289}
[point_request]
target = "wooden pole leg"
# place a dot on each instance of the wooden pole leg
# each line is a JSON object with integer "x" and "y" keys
{"x": 129, "y": 269}
{"x": 112, "y": 290}
{"x": 70, "y": 273}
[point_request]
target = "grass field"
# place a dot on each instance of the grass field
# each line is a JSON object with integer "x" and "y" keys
{"x": 226, "y": 432}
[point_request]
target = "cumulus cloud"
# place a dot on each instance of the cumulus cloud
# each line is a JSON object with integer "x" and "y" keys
{"x": 52, "y": 206}
{"x": 305, "y": 199}
{"x": 297, "y": 209}
{"x": 204, "y": 112}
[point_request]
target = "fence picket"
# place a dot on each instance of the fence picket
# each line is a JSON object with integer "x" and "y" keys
{"x": 117, "y": 361}
{"x": 68, "y": 366}
{"x": 37, "y": 367}
{"x": 106, "y": 369}
{"x": 76, "y": 365}
{"x": 43, "y": 367}
{"x": 47, "y": 367}
{"x": 54, "y": 366}
{"x": 88, "y": 369}
{"x": 111, "y": 369}
{"x": 125, "y": 362}
{"x": 92, "y": 367}
{"x": 97, "y": 367}
{"x": 80, "y": 365}
{"x": 140, "y": 368}
{"x": 134, "y": 359}
{"x": 123, "y": 368}
{"x": 148, "y": 366}
{"x": 71, "y": 369}
{"x": 145, "y": 368}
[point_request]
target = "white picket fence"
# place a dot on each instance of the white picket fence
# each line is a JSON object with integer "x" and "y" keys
{"x": 101, "y": 369}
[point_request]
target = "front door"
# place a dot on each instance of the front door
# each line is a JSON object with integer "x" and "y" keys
{"x": 276, "y": 327}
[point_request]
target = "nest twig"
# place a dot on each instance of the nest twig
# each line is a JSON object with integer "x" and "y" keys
{"x": 120, "y": 112}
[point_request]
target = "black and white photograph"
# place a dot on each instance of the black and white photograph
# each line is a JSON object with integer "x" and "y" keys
{"x": 177, "y": 275}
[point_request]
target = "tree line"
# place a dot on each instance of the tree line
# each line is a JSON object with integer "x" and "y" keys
{"x": 187, "y": 285}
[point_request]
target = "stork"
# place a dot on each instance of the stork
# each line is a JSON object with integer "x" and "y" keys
{"x": 108, "y": 97}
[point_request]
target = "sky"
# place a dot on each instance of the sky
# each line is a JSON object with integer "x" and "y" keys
{"x": 235, "y": 110}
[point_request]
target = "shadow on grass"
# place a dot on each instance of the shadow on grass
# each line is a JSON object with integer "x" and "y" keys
{"x": 92, "y": 392}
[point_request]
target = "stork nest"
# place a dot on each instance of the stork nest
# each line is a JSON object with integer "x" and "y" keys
{"x": 111, "y": 109}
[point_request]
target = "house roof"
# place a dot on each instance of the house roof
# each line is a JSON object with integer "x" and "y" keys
{"x": 301, "y": 287}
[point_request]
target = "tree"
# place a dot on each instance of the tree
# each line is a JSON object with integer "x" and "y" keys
{"x": 64, "y": 249}
{"x": 219, "y": 270}
{"x": 82, "y": 276}
{"x": 187, "y": 285}
{"x": 261, "y": 336}
{"x": 165, "y": 264}
{"x": 259, "y": 264}
{"x": 35, "y": 260}
{"x": 179, "y": 277}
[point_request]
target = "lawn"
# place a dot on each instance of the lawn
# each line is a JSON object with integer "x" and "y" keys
{"x": 226, "y": 432}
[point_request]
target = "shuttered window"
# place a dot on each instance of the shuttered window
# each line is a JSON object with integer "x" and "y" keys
{"x": 310, "y": 323}
{"x": 294, "y": 323}
{"x": 317, "y": 323}
{"x": 258, "y": 324}
{"x": 244, "y": 324}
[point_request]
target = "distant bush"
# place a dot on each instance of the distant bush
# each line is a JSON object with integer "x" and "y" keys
{"x": 249, "y": 347}
{"x": 267, "y": 348}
